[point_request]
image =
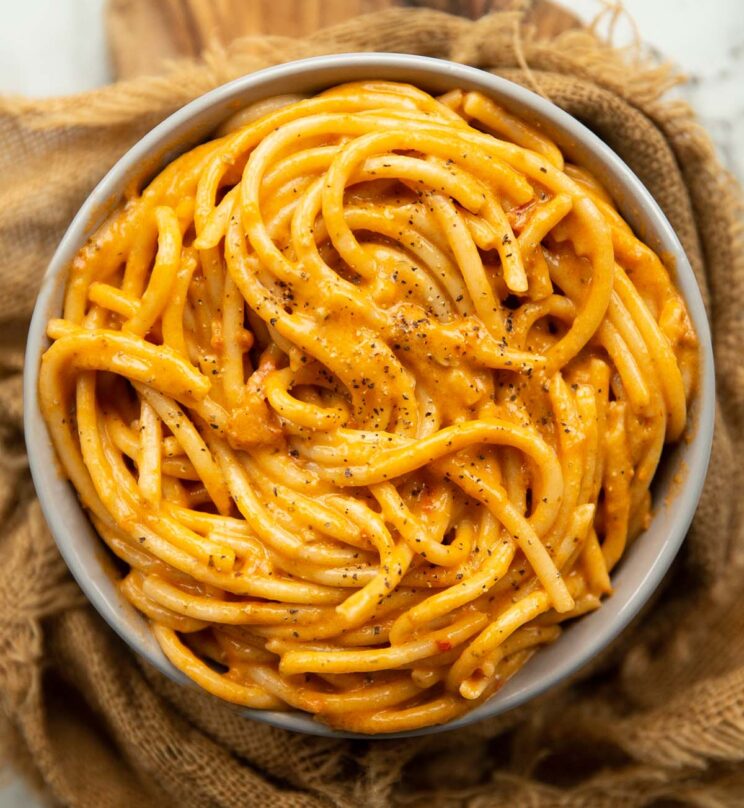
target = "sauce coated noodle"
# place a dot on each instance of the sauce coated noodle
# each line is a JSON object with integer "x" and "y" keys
{"x": 367, "y": 394}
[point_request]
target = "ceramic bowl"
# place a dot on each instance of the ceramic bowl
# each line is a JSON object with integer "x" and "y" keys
{"x": 679, "y": 480}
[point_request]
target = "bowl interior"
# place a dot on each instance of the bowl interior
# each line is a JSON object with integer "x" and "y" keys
{"x": 679, "y": 480}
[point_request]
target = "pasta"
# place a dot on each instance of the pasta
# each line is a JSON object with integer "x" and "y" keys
{"x": 366, "y": 393}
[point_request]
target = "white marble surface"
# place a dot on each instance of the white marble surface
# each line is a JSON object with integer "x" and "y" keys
{"x": 51, "y": 47}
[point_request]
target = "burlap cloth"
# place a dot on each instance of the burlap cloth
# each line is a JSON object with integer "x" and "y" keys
{"x": 659, "y": 719}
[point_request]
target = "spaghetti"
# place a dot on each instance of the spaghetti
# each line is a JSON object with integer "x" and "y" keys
{"x": 366, "y": 394}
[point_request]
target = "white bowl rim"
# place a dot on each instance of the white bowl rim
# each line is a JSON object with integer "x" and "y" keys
{"x": 638, "y": 576}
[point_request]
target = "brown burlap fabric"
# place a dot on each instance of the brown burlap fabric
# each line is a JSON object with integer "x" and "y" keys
{"x": 659, "y": 719}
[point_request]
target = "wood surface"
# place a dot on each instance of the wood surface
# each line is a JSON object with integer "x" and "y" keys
{"x": 143, "y": 34}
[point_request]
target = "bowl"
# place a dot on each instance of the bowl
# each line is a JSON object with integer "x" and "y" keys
{"x": 679, "y": 479}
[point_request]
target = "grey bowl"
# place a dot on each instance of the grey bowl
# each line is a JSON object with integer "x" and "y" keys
{"x": 647, "y": 560}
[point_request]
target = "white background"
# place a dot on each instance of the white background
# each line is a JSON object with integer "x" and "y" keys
{"x": 53, "y": 47}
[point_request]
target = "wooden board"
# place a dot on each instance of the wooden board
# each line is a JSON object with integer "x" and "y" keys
{"x": 145, "y": 33}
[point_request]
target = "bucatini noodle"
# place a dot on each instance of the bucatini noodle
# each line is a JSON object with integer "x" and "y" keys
{"x": 366, "y": 394}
